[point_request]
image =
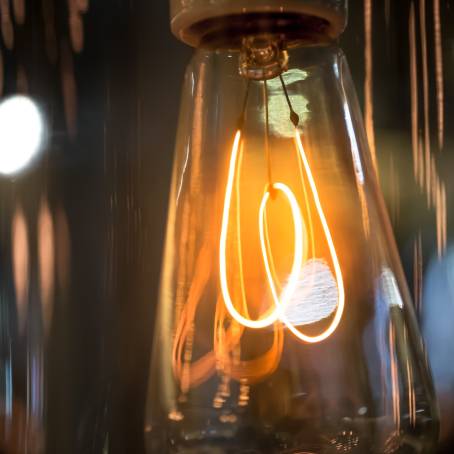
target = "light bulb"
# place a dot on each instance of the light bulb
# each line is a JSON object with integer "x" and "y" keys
{"x": 284, "y": 323}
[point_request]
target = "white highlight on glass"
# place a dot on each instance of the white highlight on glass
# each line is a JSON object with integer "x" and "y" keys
{"x": 315, "y": 297}
{"x": 354, "y": 144}
{"x": 390, "y": 289}
{"x": 278, "y": 107}
{"x": 21, "y": 133}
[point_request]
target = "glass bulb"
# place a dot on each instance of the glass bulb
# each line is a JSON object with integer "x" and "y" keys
{"x": 284, "y": 321}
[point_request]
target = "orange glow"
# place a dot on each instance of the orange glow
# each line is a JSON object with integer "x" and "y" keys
{"x": 300, "y": 243}
{"x": 289, "y": 289}
{"x": 337, "y": 269}
{"x": 231, "y": 312}
{"x": 270, "y": 318}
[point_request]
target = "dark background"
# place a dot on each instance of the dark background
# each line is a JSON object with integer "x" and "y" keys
{"x": 111, "y": 109}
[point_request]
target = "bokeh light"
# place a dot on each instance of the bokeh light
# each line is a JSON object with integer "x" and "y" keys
{"x": 21, "y": 133}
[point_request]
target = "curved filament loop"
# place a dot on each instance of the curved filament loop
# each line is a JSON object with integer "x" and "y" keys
{"x": 337, "y": 269}
{"x": 272, "y": 317}
{"x": 287, "y": 292}
{"x": 300, "y": 251}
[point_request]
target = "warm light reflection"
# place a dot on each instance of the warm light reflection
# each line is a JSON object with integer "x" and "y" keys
{"x": 21, "y": 133}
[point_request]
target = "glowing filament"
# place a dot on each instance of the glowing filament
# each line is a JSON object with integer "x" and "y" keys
{"x": 272, "y": 317}
{"x": 337, "y": 269}
{"x": 289, "y": 289}
{"x": 300, "y": 244}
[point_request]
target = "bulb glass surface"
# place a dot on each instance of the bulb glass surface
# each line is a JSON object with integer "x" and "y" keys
{"x": 284, "y": 321}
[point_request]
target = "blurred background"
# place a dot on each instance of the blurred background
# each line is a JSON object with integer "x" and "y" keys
{"x": 82, "y": 216}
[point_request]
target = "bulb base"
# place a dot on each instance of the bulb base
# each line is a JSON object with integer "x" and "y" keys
{"x": 225, "y": 23}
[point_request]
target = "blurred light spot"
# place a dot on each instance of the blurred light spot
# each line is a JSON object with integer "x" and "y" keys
{"x": 426, "y": 100}
{"x": 6, "y": 24}
{"x": 368, "y": 81}
{"x": 439, "y": 73}
{"x": 21, "y": 133}
{"x": 437, "y": 316}
{"x": 48, "y": 13}
{"x": 83, "y": 5}
{"x": 20, "y": 264}
{"x": 389, "y": 288}
{"x": 46, "y": 250}
{"x": 336, "y": 71}
{"x": 8, "y": 390}
{"x": 76, "y": 8}
{"x": 228, "y": 418}
{"x": 415, "y": 138}
{"x": 69, "y": 89}
{"x": 19, "y": 11}
{"x": 418, "y": 272}
{"x": 315, "y": 296}
{"x": 176, "y": 415}
{"x": 77, "y": 34}
{"x": 63, "y": 249}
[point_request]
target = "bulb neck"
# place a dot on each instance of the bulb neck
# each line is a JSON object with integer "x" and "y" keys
{"x": 263, "y": 57}
{"x": 224, "y": 24}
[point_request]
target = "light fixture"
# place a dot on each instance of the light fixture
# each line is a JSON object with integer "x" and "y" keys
{"x": 284, "y": 321}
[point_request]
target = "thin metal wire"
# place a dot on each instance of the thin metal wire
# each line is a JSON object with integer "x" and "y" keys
{"x": 243, "y": 111}
{"x": 267, "y": 134}
{"x": 294, "y": 118}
